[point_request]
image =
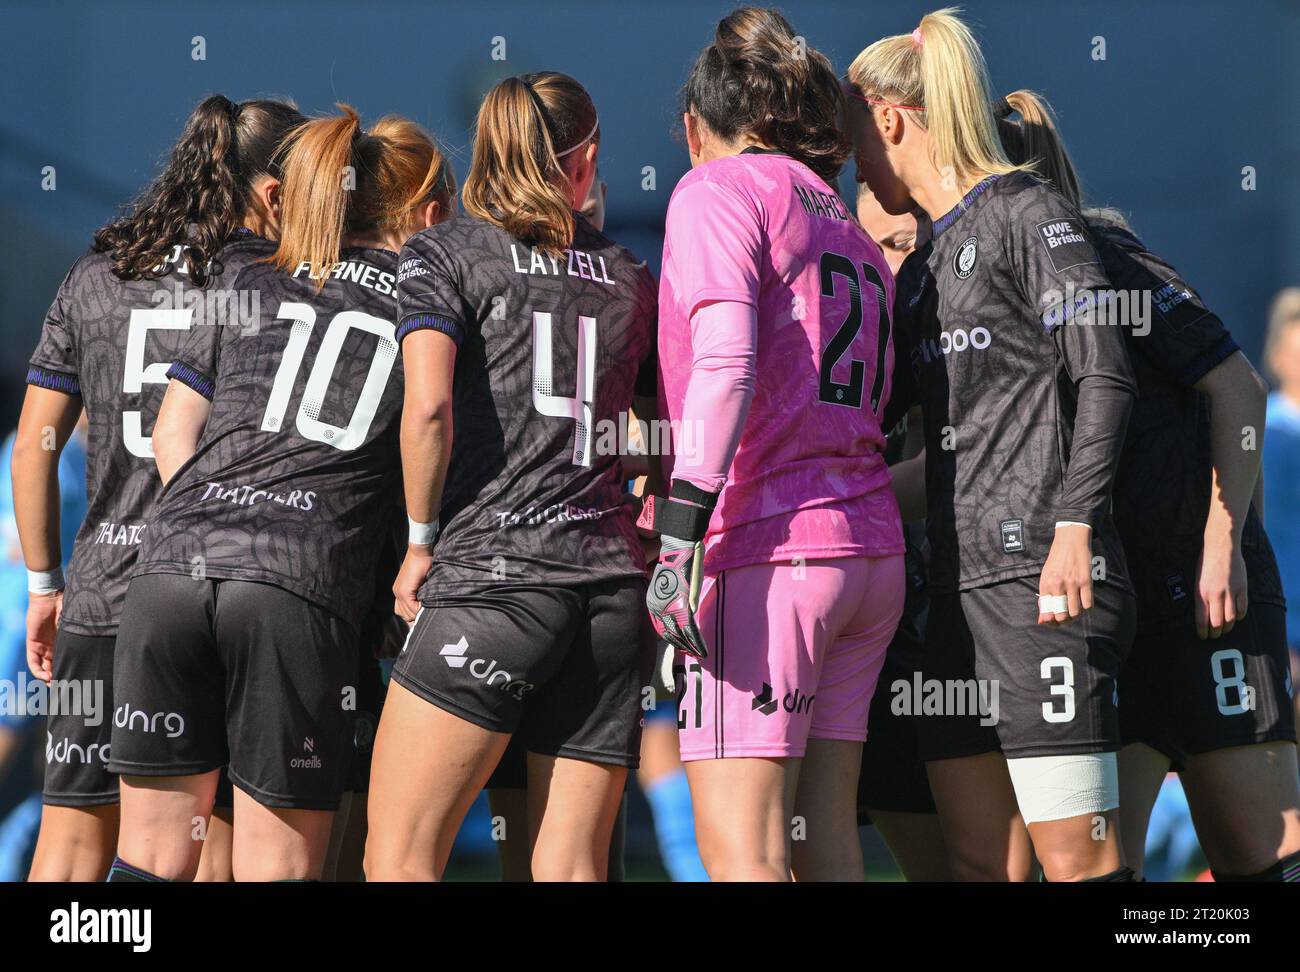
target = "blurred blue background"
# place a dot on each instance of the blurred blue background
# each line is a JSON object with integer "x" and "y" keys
{"x": 1189, "y": 93}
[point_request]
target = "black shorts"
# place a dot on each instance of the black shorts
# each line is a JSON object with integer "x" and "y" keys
{"x": 213, "y": 673}
{"x": 1184, "y": 696}
{"x": 996, "y": 680}
{"x": 563, "y": 669}
{"x": 80, "y": 723}
{"x": 893, "y": 773}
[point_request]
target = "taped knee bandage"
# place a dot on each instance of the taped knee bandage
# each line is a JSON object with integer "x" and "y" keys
{"x": 1057, "y": 787}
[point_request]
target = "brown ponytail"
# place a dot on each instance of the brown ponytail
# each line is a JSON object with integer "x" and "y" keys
{"x": 758, "y": 78}
{"x": 516, "y": 180}
{"x": 201, "y": 197}
{"x": 339, "y": 179}
{"x": 1035, "y": 141}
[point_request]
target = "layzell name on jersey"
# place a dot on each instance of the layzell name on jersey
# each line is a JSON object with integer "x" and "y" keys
{"x": 981, "y": 309}
{"x": 549, "y": 351}
{"x": 1162, "y": 488}
{"x": 111, "y": 341}
{"x": 298, "y": 469}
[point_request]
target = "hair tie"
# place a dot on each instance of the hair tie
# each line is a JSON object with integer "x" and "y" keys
{"x": 1002, "y": 109}
{"x": 917, "y": 38}
{"x": 573, "y": 148}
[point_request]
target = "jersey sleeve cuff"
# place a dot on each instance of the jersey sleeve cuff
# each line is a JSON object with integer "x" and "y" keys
{"x": 430, "y": 322}
{"x": 192, "y": 378}
{"x": 1209, "y": 359}
{"x": 59, "y": 381}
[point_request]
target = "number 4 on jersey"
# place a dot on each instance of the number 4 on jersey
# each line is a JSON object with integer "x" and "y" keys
{"x": 580, "y": 406}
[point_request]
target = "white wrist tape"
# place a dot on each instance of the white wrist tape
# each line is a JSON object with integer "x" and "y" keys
{"x": 1057, "y": 787}
{"x": 45, "y": 581}
{"x": 1053, "y": 604}
{"x": 421, "y": 533}
{"x": 1061, "y": 523}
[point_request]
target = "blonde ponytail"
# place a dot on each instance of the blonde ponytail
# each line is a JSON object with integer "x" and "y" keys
{"x": 939, "y": 70}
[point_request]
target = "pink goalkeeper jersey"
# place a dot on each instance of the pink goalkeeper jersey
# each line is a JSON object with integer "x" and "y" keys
{"x": 809, "y": 476}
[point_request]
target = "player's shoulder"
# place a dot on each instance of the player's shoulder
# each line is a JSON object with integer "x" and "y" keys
{"x": 1023, "y": 198}
{"x": 591, "y": 240}
{"x": 461, "y": 237}
{"x": 244, "y": 256}
{"x": 92, "y": 268}
{"x": 1123, "y": 253}
{"x": 732, "y": 176}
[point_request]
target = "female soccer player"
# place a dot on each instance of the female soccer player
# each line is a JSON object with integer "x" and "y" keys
{"x": 1025, "y": 404}
{"x": 523, "y": 331}
{"x": 277, "y": 440}
{"x": 1206, "y": 688}
{"x": 120, "y": 316}
{"x": 893, "y": 789}
{"x": 775, "y": 350}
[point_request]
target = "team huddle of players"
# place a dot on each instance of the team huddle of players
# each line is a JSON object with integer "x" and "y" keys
{"x": 343, "y": 346}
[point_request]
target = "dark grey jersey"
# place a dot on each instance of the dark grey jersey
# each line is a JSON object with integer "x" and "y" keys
{"x": 1162, "y": 490}
{"x": 298, "y": 471}
{"x": 549, "y": 351}
{"x": 110, "y": 341}
{"x": 1001, "y": 324}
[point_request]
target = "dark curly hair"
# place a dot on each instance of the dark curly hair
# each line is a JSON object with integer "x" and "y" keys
{"x": 758, "y": 79}
{"x": 201, "y": 197}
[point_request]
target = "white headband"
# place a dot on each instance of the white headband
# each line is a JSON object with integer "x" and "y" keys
{"x": 594, "y": 129}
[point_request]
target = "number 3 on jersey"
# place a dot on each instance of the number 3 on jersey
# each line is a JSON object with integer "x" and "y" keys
{"x": 849, "y": 394}
{"x": 308, "y": 420}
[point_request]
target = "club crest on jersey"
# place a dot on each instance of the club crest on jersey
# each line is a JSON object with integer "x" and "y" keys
{"x": 964, "y": 261}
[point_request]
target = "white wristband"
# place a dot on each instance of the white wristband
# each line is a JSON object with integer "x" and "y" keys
{"x": 1053, "y": 604}
{"x": 45, "y": 581}
{"x": 421, "y": 533}
{"x": 1061, "y": 523}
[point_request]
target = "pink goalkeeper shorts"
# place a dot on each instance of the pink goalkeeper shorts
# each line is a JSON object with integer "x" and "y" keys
{"x": 795, "y": 651}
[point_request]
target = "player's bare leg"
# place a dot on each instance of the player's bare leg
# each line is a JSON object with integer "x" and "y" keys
{"x": 215, "y": 863}
{"x": 572, "y": 806}
{"x": 75, "y": 843}
{"x": 916, "y": 842}
{"x": 1142, "y": 770}
{"x": 743, "y": 813}
{"x": 163, "y": 822}
{"x": 826, "y": 804}
{"x": 274, "y": 844}
{"x": 1078, "y": 848}
{"x": 513, "y": 846}
{"x": 1245, "y": 803}
{"x": 982, "y": 828}
{"x": 418, "y": 798}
